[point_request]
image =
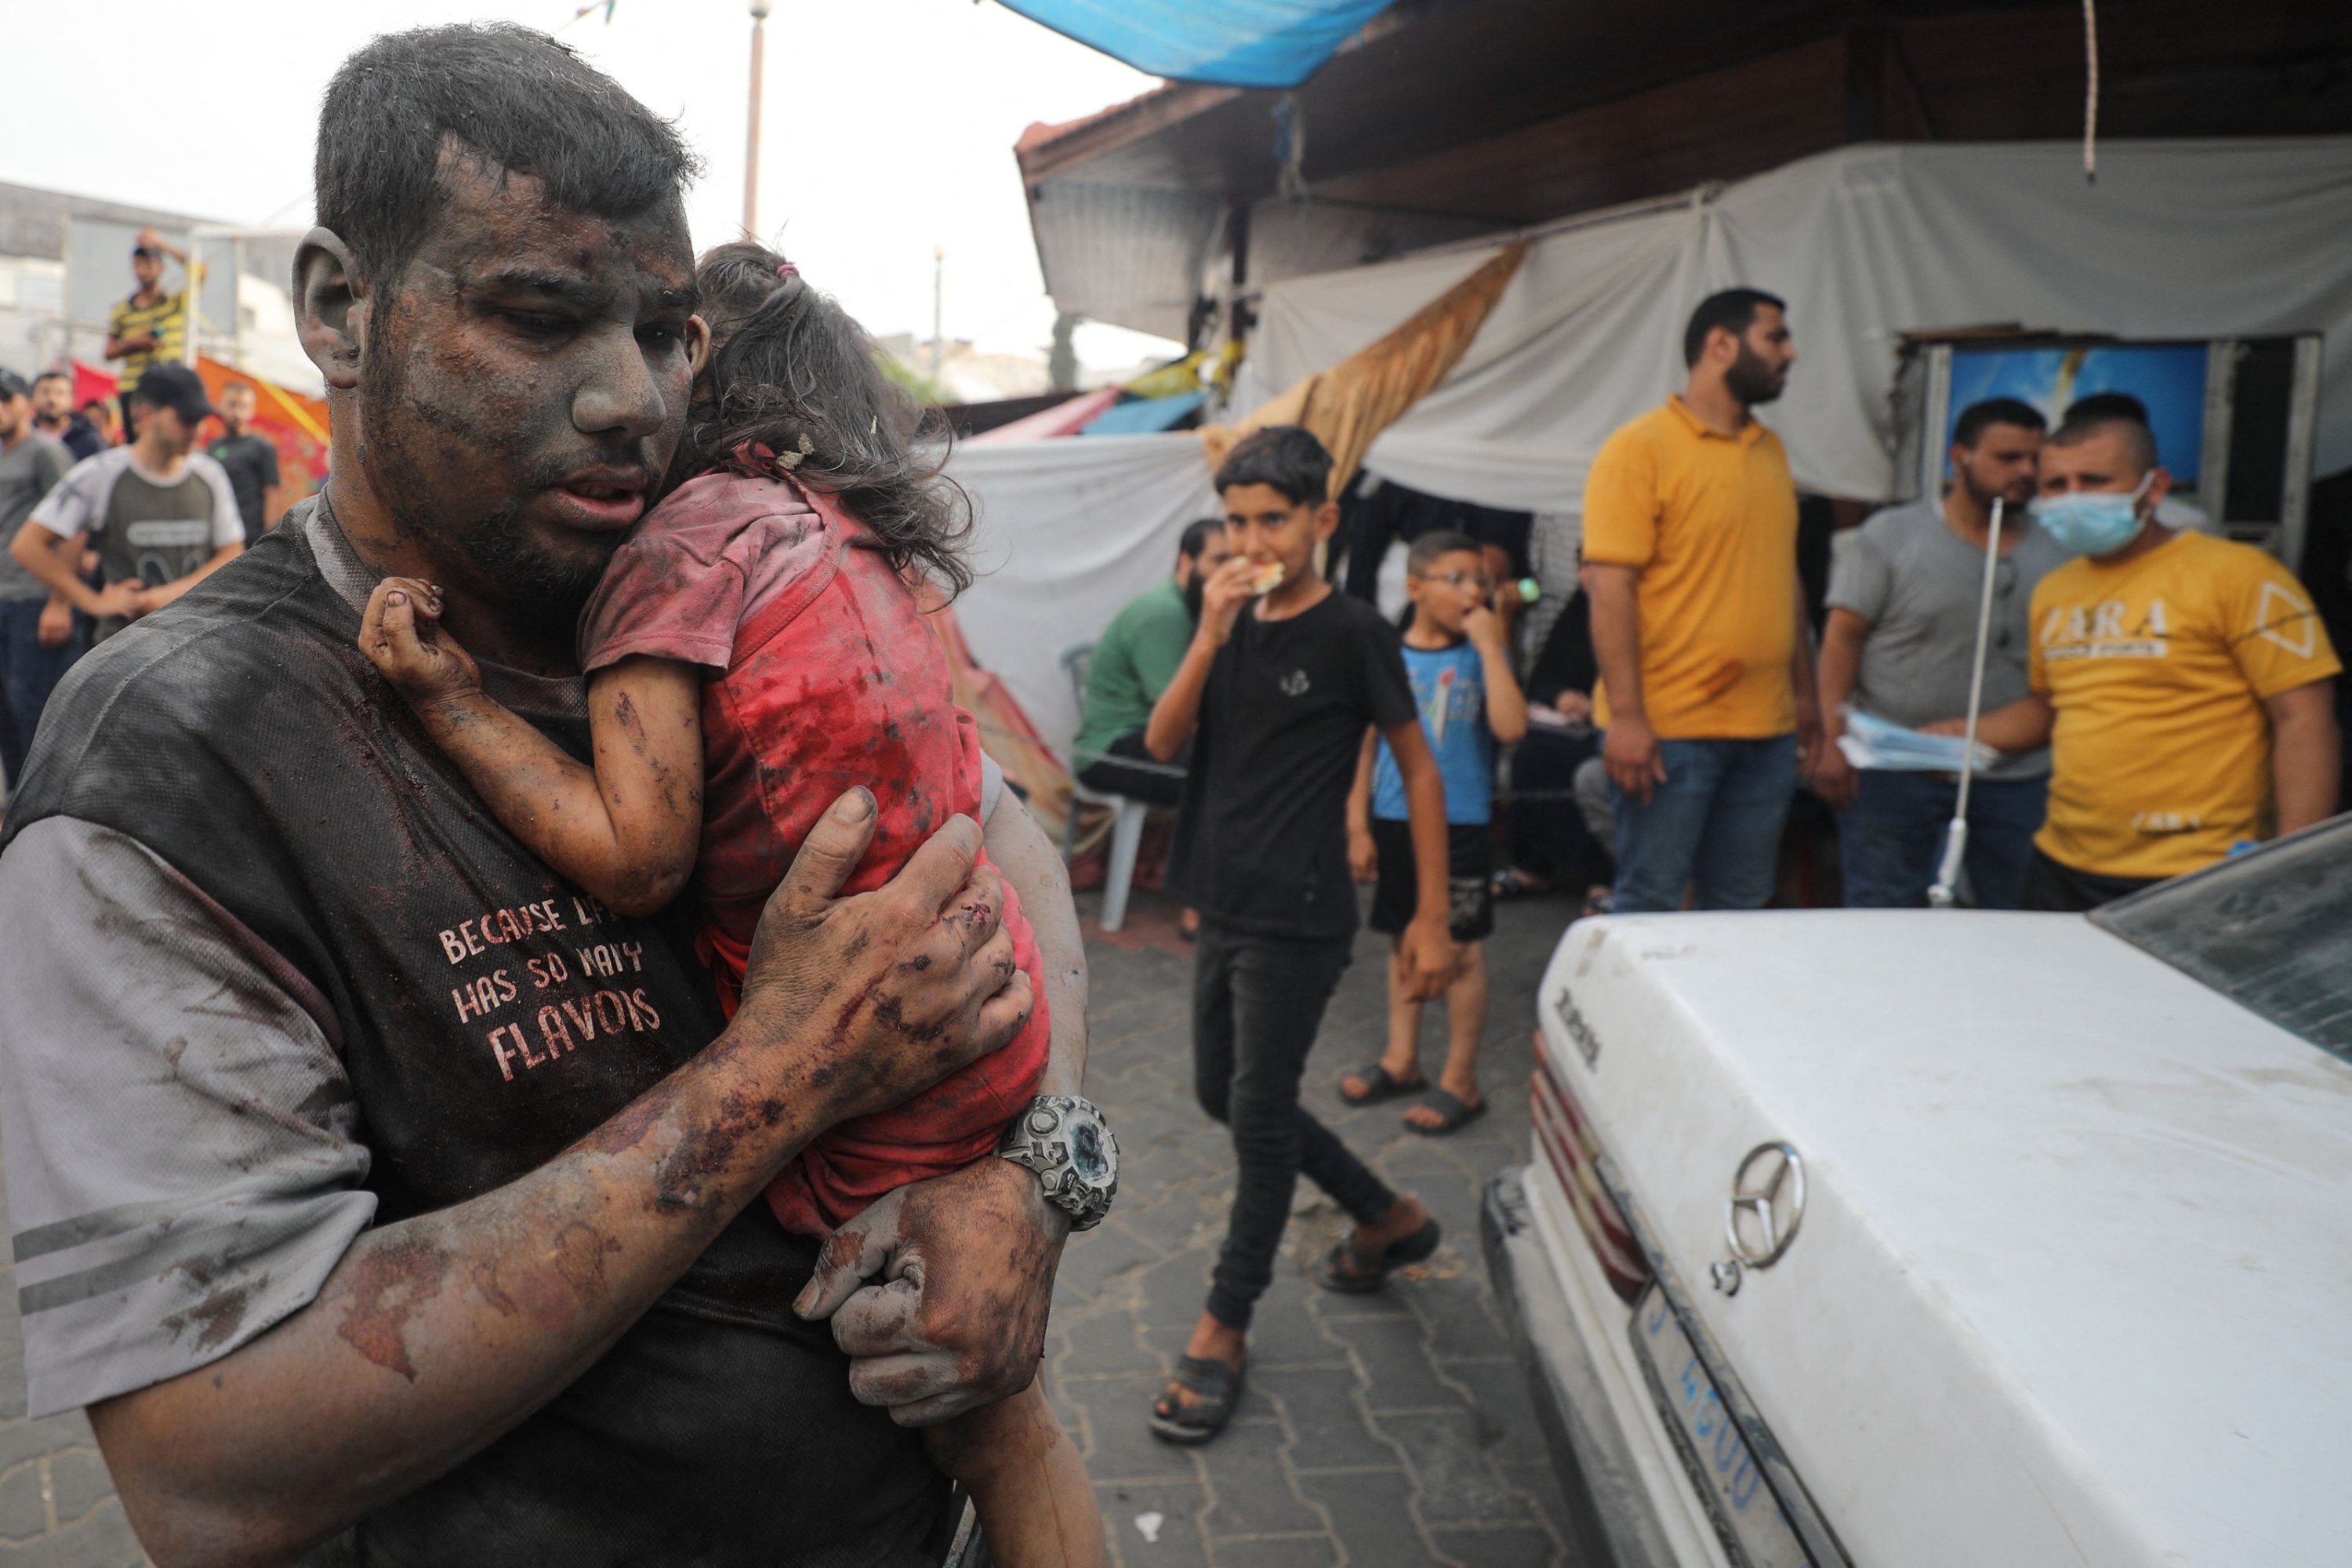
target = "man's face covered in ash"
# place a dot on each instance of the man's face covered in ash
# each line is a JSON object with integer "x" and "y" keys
{"x": 524, "y": 383}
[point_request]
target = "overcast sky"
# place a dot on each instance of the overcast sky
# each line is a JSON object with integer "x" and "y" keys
{"x": 889, "y": 126}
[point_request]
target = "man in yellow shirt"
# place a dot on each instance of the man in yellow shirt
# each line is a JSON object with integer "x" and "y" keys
{"x": 152, "y": 324}
{"x": 1698, "y": 622}
{"x": 2183, "y": 683}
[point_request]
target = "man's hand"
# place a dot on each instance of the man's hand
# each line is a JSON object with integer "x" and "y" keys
{"x": 1363, "y": 856}
{"x": 962, "y": 1272}
{"x": 878, "y": 996}
{"x": 117, "y": 600}
{"x": 1834, "y": 778}
{"x": 1630, "y": 752}
{"x": 401, "y": 635}
{"x": 56, "y": 624}
{"x": 1811, "y": 736}
{"x": 1221, "y": 598}
{"x": 1431, "y": 958}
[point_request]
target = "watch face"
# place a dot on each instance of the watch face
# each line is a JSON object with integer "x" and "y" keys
{"x": 1086, "y": 1156}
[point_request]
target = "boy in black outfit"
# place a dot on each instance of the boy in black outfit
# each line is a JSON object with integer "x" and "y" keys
{"x": 1281, "y": 680}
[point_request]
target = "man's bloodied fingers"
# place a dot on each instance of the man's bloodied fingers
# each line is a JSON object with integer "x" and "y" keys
{"x": 977, "y": 910}
{"x": 931, "y": 880}
{"x": 1002, "y": 1016}
{"x": 882, "y": 1320}
{"x": 827, "y": 856}
{"x": 851, "y": 1256}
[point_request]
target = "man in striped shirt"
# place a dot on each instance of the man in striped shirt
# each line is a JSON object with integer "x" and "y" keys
{"x": 152, "y": 324}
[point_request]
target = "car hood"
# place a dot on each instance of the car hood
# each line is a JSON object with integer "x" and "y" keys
{"x": 2074, "y": 1282}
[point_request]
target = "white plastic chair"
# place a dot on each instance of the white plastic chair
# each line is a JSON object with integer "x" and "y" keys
{"x": 1127, "y": 821}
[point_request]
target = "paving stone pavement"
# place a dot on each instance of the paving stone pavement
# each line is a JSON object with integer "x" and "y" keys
{"x": 1376, "y": 1432}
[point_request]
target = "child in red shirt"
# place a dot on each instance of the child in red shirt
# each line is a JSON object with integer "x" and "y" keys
{"x": 755, "y": 647}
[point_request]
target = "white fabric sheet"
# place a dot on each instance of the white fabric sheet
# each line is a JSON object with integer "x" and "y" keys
{"x": 1070, "y": 530}
{"x": 2177, "y": 239}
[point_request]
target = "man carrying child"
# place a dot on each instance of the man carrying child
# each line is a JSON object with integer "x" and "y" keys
{"x": 1275, "y": 693}
{"x": 1457, "y": 657}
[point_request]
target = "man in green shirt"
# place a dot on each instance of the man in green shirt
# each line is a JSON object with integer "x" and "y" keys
{"x": 1133, "y": 663}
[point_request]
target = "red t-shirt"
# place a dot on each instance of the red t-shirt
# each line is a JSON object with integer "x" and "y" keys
{"x": 823, "y": 674}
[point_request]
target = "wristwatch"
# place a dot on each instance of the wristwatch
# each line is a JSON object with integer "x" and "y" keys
{"x": 1063, "y": 1139}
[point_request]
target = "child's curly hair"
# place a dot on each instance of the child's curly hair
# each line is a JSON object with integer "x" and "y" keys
{"x": 797, "y": 386}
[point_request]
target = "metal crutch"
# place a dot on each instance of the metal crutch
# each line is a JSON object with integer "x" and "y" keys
{"x": 1943, "y": 895}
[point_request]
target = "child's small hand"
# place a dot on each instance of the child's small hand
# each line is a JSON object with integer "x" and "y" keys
{"x": 1222, "y": 596}
{"x": 400, "y": 636}
{"x": 1484, "y": 627}
{"x": 1363, "y": 856}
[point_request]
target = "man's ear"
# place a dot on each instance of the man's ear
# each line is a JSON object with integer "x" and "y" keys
{"x": 1327, "y": 518}
{"x": 2160, "y": 485}
{"x": 698, "y": 345}
{"x": 329, "y": 309}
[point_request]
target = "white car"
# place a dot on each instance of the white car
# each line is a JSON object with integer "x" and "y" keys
{"x": 1906, "y": 1239}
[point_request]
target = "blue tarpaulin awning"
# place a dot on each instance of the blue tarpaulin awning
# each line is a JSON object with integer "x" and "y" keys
{"x": 1231, "y": 43}
{"x": 1144, "y": 416}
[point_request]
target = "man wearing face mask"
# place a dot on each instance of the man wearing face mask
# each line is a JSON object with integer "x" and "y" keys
{"x": 2182, "y": 682}
{"x": 1899, "y": 645}
{"x": 1134, "y": 662}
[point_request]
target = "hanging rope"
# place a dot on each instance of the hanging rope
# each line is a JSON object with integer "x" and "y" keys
{"x": 2091, "y": 91}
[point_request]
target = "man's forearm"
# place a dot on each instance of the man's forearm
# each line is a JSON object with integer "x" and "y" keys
{"x": 434, "y": 1336}
{"x": 1840, "y": 662}
{"x": 1616, "y": 636}
{"x": 45, "y": 556}
{"x": 1032, "y": 866}
{"x": 2023, "y": 725}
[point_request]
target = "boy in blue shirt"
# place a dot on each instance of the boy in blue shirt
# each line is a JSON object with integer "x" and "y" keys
{"x": 1469, "y": 700}
{"x": 1281, "y": 680}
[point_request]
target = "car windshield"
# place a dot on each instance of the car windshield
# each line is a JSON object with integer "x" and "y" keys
{"x": 2270, "y": 930}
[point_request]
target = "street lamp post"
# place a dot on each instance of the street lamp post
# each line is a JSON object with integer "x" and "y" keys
{"x": 751, "y": 136}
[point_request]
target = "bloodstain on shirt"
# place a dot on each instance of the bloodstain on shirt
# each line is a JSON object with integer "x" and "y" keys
{"x": 823, "y": 675}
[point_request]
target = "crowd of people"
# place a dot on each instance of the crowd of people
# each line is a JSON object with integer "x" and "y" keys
{"x": 113, "y": 510}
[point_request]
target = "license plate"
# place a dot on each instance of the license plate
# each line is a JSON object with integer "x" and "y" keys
{"x": 1747, "y": 1517}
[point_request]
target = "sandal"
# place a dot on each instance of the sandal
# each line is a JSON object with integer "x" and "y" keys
{"x": 1510, "y": 883}
{"x": 1353, "y": 1273}
{"x": 1216, "y": 1388}
{"x": 1453, "y": 1114}
{"x": 1379, "y": 1084}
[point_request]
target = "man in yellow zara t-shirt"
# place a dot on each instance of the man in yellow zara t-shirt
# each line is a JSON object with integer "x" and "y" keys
{"x": 2183, "y": 683}
{"x": 1698, "y": 622}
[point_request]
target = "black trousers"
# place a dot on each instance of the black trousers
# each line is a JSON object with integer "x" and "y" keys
{"x": 2053, "y": 885}
{"x": 1257, "y": 1003}
{"x": 1112, "y": 775}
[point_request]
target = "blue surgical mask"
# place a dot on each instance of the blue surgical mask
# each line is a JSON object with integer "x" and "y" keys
{"x": 2092, "y": 522}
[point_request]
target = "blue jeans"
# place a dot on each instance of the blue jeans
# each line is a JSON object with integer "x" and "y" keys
{"x": 1891, "y": 840}
{"x": 28, "y": 673}
{"x": 1712, "y": 827}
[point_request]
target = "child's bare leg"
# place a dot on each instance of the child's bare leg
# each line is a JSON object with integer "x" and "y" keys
{"x": 1465, "y": 1021}
{"x": 1036, "y": 1506}
{"x": 1402, "y": 1059}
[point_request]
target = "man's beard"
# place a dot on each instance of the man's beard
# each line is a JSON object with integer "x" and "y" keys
{"x": 500, "y": 561}
{"x": 1750, "y": 379}
{"x": 1195, "y": 593}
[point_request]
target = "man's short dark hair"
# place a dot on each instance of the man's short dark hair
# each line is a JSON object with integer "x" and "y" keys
{"x": 1287, "y": 458}
{"x": 2140, "y": 441}
{"x": 52, "y": 375}
{"x": 1441, "y": 541}
{"x": 1734, "y": 310}
{"x": 2108, "y": 405}
{"x": 515, "y": 99}
{"x": 1971, "y": 428}
{"x": 1196, "y": 536}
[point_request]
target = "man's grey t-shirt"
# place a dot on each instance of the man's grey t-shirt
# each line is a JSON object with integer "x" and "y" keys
{"x": 28, "y": 470}
{"x": 1918, "y": 583}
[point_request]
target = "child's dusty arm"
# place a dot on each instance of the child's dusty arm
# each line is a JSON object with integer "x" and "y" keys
{"x": 1030, "y": 864}
{"x": 626, "y": 831}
